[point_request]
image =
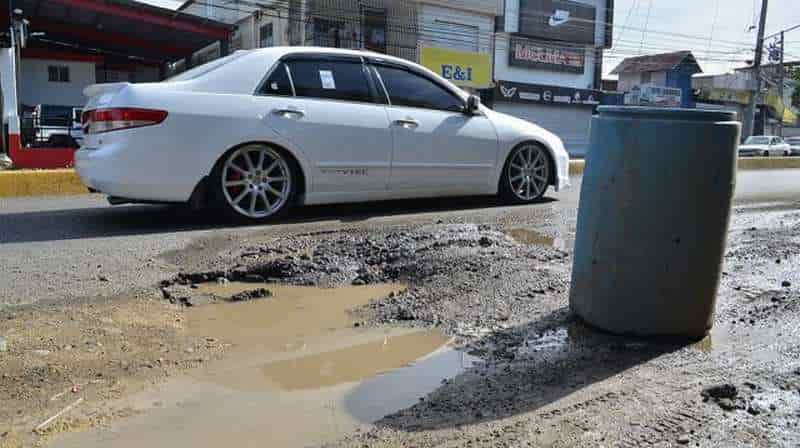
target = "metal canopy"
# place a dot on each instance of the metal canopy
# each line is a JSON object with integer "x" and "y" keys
{"x": 122, "y": 28}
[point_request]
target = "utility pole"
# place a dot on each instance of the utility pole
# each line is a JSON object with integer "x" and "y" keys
{"x": 780, "y": 91}
{"x": 748, "y": 124}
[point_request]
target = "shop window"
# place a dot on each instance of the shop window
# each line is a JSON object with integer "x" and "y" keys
{"x": 328, "y": 33}
{"x": 373, "y": 28}
{"x": 647, "y": 77}
{"x": 57, "y": 73}
{"x": 265, "y": 36}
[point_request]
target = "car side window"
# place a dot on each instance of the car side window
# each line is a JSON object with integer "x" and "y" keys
{"x": 412, "y": 90}
{"x": 278, "y": 83}
{"x": 335, "y": 80}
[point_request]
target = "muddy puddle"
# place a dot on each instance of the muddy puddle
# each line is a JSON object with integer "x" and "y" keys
{"x": 534, "y": 238}
{"x": 298, "y": 372}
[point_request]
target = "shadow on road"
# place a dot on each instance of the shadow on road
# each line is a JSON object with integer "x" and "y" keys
{"x": 554, "y": 356}
{"x": 99, "y": 222}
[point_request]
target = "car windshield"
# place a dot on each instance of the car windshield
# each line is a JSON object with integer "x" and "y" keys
{"x": 757, "y": 140}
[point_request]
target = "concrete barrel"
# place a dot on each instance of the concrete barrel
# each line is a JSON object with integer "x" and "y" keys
{"x": 652, "y": 220}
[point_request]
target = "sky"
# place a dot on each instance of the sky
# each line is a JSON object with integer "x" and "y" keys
{"x": 716, "y": 31}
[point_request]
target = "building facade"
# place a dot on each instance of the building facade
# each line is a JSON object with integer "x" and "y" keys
{"x": 454, "y": 38}
{"x": 548, "y": 64}
{"x": 661, "y": 79}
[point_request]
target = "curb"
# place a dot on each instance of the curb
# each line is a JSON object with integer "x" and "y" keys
{"x": 576, "y": 167}
{"x": 66, "y": 181}
{"x": 768, "y": 163}
{"x": 40, "y": 183}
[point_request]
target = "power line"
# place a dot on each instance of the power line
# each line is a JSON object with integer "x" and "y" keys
{"x": 646, "y": 23}
{"x": 536, "y": 13}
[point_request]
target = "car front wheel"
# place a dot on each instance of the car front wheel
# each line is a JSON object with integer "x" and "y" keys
{"x": 253, "y": 182}
{"x": 526, "y": 175}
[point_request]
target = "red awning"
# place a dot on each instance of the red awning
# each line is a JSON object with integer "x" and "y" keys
{"x": 124, "y": 28}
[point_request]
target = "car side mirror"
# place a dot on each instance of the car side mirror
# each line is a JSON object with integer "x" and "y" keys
{"x": 473, "y": 104}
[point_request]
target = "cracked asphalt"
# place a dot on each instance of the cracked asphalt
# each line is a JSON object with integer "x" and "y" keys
{"x": 61, "y": 248}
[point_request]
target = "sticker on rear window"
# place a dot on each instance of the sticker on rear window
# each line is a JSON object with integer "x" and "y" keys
{"x": 326, "y": 77}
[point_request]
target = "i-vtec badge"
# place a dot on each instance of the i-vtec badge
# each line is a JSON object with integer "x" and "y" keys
{"x": 346, "y": 171}
{"x": 559, "y": 18}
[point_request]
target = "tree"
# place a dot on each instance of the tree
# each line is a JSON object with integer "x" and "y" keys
{"x": 795, "y": 74}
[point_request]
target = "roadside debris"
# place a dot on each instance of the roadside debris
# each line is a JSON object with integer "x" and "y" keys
{"x": 253, "y": 294}
{"x": 50, "y": 420}
{"x": 726, "y": 396}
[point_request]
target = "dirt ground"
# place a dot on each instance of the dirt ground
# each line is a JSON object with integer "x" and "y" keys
{"x": 500, "y": 289}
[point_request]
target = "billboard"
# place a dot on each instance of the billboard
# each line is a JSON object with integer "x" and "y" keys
{"x": 526, "y": 53}
{"x": 650, "y": 95}
{"x": 462, "y": 68}
{"x": 562, "y": 20}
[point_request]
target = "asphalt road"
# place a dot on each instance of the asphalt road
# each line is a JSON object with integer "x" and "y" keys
{"x": 76, "y": 247}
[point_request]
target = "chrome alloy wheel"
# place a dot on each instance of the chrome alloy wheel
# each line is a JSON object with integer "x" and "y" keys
{"x": 528, "y": 172}
{"x": 256, "y": 181}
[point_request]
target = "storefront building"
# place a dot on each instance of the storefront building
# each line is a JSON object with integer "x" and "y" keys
{"x": 548, "y": 64}
{"x": 456, "y": 40}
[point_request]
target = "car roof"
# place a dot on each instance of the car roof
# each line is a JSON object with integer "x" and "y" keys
{"x": 283, "y": 51}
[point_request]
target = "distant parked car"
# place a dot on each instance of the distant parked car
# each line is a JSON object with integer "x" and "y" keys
{"x": 794, "y": 145}
{"x": 765, "y": 146}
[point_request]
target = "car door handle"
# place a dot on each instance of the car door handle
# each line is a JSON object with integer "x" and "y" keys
{"x": 408, "y": 123}
{"x": 289, "y": 113}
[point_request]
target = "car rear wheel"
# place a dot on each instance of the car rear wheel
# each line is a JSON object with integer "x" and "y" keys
{"x": 526, "y": 174}
{"x": 254, "y": 182}
{"x": 765, "y": 154}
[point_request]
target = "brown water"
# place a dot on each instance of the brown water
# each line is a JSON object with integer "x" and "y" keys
{"x": 531, "y": 237}
{"x": 298, "y": 373}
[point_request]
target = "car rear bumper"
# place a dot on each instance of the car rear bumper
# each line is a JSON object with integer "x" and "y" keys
{"x": 117, "y": 169}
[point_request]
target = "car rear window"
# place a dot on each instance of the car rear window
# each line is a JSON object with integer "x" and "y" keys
{"x": 206, "y": 68}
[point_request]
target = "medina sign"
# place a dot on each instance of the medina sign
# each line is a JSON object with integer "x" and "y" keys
{"x": 524, "y": 53}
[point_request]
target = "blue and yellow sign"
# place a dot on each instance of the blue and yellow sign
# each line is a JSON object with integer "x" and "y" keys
{"x": 462, "y": 68}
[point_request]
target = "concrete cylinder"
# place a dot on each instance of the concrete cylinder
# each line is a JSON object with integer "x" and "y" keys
{"x": 652, "y": 221}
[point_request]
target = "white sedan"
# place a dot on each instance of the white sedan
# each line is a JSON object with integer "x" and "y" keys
{"x": 765, "y": 146}
{"x": 258, "y": 131}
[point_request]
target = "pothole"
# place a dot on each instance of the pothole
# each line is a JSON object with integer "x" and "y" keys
{"x": 298, "y": 371}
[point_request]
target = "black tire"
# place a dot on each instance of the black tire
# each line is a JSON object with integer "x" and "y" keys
{"x": 536, "y": 178}
{"x": 765, "y": 154}
{"x": 254, "y": 184}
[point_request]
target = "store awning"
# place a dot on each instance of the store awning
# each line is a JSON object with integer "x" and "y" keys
{"x": 124, "y": 28}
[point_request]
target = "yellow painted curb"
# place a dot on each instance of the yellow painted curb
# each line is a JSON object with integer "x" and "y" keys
{"x": 40, "y": 183}
{"x": 576, "y": 167}
{"x": 768, "y": 163}
{"x": 744, "y": 164}
{"x": 66, "y": 181}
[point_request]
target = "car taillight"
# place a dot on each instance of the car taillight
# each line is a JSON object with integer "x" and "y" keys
{"x": 106, "y": 120}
